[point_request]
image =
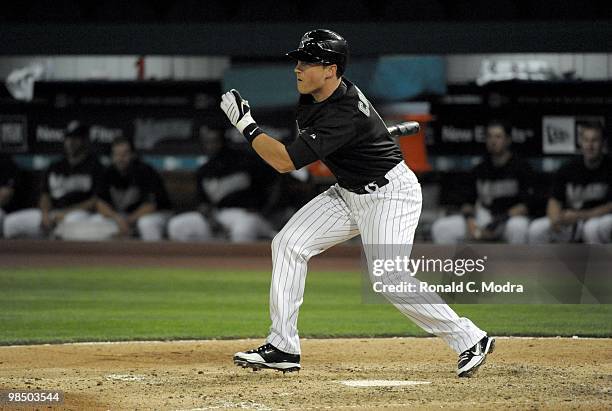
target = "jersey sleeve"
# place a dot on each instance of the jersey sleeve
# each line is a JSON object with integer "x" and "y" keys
{"x": 103, "y": 187}
{"x": 301, "y": 154}
{"x": 559, "y": 182}
{"x": 202, "y": 196}
{"x": 525, "y": 176}
{"x": 609, "y": 178}
{"x": 97, "y": 176}
{"x": 471, "y": 190}
{"x": 8, "y": 173}
{"x": 157, "y": 190}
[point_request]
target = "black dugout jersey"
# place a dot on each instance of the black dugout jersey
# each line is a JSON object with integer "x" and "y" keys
{"x": 500, "y": 188}
{"x": 9, "y": 178}
{"x": 233, "y": 178}
{"x": 68, "y": 184}
{"x": 580, "y": 188}
{"x": 347, "y": 134}
{"x": 141, "y": 184}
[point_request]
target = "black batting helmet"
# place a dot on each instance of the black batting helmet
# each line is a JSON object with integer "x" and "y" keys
{"x": 322, "y": 46}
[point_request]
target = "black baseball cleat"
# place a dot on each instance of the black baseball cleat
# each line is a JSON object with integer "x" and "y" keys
{"x": 471, "y": 359}
{"x": 268, "y": 356}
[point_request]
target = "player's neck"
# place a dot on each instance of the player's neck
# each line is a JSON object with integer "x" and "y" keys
{"x": 327, "y": 90}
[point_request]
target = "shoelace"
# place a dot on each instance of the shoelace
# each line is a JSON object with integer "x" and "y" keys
{"x": 473, "y": 351}
{"x": 262, "y": 348}
{"x": 465, "y": 355}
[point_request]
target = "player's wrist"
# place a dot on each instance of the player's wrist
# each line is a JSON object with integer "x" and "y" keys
{"x": 251, "y": 131}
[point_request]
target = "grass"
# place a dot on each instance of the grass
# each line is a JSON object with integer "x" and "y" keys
{"x": 102, "y": 304}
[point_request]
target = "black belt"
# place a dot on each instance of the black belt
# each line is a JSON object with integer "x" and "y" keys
{"x": 368, "y": 188}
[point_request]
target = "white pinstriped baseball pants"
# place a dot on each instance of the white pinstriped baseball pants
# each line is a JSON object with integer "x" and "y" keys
{"x": 387, "y": 216}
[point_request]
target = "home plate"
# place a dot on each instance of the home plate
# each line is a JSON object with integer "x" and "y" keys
{"x": 381, "y": 383}
{"x": 125, "y": 377}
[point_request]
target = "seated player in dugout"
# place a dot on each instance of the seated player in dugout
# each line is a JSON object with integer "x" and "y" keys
{"x": 290, "y": 192}
{"x": 232, "y": 189}
{"x": 9, "y": 184}
{"x": 377, "y": 196}
{"x": 498, "y": 194}
{"x": 68, "y": 191}
{"x": 580, "y": 207}
{"x": 132, "y": 198}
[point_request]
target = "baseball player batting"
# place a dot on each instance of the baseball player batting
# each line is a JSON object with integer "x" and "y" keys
{"x": 376, "y": 195}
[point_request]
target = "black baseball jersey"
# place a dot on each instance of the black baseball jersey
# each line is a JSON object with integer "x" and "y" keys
{"x": 233, "y": 178}
{"x": 347, "y": 134}
{"x": 580, "y": 188}
{"x": 68, "y": 184}
{"x": 500, "y": 188}
{"x": 140, "y": 184}
{"x": 9, "y": 178}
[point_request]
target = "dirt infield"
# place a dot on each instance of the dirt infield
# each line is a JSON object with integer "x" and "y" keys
{"x": 523, "y": 373}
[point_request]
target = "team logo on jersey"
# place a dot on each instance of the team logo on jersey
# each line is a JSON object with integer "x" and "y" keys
{"x": 363, "y": 105}
{"x": 490, "y": 190}
{"x": 578, "y": 194}
{"x": 371, "y": 188}
{"x": 123, "y": 199}
{"x": 218, "y": 188}
{"x": 307, "y": 132}
{"x": 60, "y": 184}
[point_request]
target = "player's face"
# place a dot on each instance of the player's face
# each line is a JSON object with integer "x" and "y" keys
{"x": 591, "y": 143}
{"x": 497, "y": 140}
{"x": 122, "y": 156}
{"x": 311, "y": 77}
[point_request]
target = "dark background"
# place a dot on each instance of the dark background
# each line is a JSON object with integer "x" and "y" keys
{"x": 269, "y": 27}
{"x": 263, "y": 31}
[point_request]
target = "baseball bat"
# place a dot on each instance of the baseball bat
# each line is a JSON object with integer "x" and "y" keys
{"x": 404, "y": 129}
